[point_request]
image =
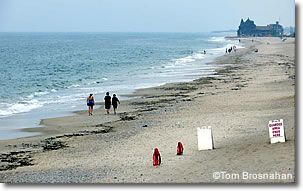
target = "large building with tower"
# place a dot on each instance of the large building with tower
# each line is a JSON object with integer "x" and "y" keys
{"x": 250, "y": 29}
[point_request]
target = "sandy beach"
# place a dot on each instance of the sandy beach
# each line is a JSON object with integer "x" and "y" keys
{"x": 250, "y": 89}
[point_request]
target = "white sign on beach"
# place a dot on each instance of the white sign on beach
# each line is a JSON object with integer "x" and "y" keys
{"x": 205, "y": 138}
{"x": 276, "y": 131}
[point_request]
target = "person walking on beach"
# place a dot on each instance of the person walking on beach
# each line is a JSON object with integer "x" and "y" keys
{"x": 115, "y": 102}
{"x": 107, "y": 102}
{"x": 230, "y": 49}
{"x": 90, "y": 103}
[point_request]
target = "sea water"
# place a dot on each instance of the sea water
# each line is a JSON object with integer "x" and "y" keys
{"x": 45, "y": 75}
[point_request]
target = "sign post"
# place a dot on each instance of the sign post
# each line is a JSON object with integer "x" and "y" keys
{"x": 205, "y": 138}
{"x": 276, "y": 131}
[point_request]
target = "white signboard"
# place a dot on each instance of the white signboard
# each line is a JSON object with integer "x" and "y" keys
{"x": 276, "y": 131}
{"x": 205, "y": 138}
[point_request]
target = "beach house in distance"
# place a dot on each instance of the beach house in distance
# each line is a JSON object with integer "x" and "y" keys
{"x": 249, "y": 29}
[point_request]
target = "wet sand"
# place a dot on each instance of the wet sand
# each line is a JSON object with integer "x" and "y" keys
{"x": 237, "y": 102}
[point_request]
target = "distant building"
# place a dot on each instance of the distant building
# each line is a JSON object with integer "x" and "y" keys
{"x": 289, "y": 31}
{"x": 248, "y": 28}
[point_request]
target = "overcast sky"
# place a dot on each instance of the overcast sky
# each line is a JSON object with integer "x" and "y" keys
{"x": 140, "y": 15}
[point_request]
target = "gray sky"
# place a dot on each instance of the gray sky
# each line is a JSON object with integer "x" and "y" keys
{"x": 140, "y": 15}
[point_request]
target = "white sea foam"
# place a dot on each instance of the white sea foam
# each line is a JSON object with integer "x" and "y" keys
{"x": 30, "y": 96}
{"x": 217, "y": 39}
{"x": 35, "y": 94}
{"x": 74, "y": 86}
{"x": 189, "y": 59}
{"x": 184, "y": 60}
{"x": 191, "y": 65}
{"x": 41, "y": 93}
{"x": 24, "y": 106}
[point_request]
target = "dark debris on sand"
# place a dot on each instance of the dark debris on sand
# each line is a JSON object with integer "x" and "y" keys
{"x": 14, "y": 160}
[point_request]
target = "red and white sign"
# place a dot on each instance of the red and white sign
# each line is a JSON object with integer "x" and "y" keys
{"x": 276, "y": 131}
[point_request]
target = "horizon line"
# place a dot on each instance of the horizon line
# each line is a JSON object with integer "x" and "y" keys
{"x": 106, "y": 31}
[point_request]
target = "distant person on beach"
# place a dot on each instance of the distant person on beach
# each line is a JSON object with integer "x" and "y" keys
{"x": 107, "y": 102}
{"x": 226, "y": 51}
{"x": 115, "y": 102}
{"x": 90, "y": 103}
{"x": 230, "y": 49}
{"x": 204, "y": 52}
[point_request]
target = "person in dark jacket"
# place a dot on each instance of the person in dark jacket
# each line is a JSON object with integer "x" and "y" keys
{"x": 107, "y": 102}
{"x": 115, "y": 102}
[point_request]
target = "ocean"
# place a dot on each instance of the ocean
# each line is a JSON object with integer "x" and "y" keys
{"x": 47, "y": 75}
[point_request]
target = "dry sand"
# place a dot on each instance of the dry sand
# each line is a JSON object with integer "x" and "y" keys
{"x": 251, "y": 89}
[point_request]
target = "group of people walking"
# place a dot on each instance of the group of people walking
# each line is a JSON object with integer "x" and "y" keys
{"x": 108, "y": 101}
{"x": 229, "y": 50}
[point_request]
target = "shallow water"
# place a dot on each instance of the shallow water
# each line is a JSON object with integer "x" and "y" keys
{"x": 49, "y": 74}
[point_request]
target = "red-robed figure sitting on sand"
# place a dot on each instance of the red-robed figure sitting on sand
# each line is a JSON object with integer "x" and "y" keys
{"x": 156, "y": 157}
{"x": 180, "y": 149}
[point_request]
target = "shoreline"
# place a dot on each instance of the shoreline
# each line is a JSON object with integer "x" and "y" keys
{"x": 31, "y": 119}
{"x": 38, "y": 122}
{"x": 158, "y": 111}
{"x": 130, "y": 97}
